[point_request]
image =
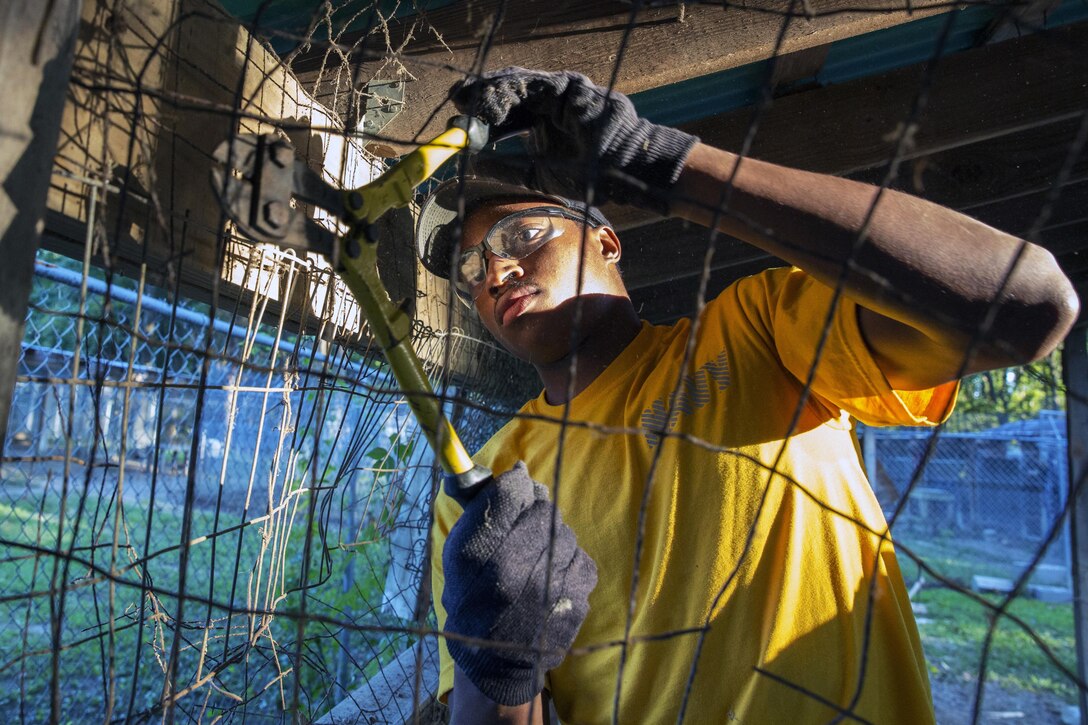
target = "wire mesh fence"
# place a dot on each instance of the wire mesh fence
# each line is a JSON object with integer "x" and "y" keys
{"x": 303, "y": 478}
{"x": 103, "y": 441}
{"x": 302, "y": 452}
{"x": 1011, "y": 479}
{"x": 985, "y": 504}
{"x": 215, "y": 503}
{"x": 986, "y": 520}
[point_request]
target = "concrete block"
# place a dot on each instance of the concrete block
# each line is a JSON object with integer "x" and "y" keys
{"x": 1000, "y": 585}
{"x": 1052, "y": 575}
{"x": 1051, "y": 594}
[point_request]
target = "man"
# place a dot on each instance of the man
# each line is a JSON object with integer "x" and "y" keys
{"x": 743, "y": 569}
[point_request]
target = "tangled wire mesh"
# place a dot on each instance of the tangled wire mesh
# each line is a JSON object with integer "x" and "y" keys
{"x": 215, "y": 502}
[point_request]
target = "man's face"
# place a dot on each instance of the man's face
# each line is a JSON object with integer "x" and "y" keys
{"x": 528, "y": 304}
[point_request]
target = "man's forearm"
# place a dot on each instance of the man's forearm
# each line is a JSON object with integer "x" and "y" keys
{"x": 469, "y": 706}
{"x": 945, "y": 268}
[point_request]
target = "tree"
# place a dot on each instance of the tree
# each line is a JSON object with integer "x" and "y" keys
{"x": 999, "y": 396}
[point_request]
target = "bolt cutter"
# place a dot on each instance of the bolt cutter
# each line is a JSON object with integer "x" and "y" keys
{"x": 256, "y": 177}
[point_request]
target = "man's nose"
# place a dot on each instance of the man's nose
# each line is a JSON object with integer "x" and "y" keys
{"x": 500, "y": 271}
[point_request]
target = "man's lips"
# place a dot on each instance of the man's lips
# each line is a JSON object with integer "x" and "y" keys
{"x": 512, "y": 304}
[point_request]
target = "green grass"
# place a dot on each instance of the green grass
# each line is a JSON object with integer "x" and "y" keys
{"x": 958, "y": 559}
{"x": 954, "y": 636}
{"x": 32, "y": 516}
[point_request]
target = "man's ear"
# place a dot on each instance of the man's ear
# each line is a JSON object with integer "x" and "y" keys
{"x": 611, "y": 249}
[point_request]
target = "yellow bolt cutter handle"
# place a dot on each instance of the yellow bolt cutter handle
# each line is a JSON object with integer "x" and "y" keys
{"x": 259, "y": 181}
{"x": 389, "y": 323}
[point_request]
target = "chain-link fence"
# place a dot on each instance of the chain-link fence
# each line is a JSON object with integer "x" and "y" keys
{"x": 152, "y": 452}
{"x": 979, "y": 505}
{"x": 981, "y": 522}
{"x": 293, "y": 509}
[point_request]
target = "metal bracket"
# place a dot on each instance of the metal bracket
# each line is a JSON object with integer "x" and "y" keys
{"x": 385, "y": 99}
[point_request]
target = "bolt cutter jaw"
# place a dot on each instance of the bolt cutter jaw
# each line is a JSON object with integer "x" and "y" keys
{"x": 260, "y": 183}
{"x": 262, "y": 186}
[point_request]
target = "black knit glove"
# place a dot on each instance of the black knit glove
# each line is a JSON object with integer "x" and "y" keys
{"x": 495, "y": 562}
{"x": 581, "y": 136}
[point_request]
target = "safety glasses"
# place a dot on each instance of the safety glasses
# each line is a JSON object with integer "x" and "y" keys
{"x": 513, "y": 237}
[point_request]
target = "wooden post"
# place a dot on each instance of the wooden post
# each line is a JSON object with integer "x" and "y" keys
{"x": 1075, "y": 372}
{"x": 37, "y": 43}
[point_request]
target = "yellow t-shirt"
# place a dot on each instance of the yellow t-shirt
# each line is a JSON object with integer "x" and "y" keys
{"x": 765, "y": 574}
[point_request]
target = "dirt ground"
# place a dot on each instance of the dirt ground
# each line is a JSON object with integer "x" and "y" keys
{"x": 954, "y": 700}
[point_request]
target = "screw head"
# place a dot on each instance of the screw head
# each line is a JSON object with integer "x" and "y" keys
{"x": 352, "y": 247}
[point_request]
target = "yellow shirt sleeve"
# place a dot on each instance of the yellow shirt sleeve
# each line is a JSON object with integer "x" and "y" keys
{"x": 791, "y": 311}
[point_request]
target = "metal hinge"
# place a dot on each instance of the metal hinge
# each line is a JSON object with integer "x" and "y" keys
{"x": 385, "y": 99}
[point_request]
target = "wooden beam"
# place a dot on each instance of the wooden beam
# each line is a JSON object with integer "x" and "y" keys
{"x": 664, "y": 47}
{"x": 1017, "y": 215}
{"x": 735, "y": 260}
{"x": 456, "y": 27}
{"x": 1033, "y": 83}
{"x": 1018, "y": 19}
{"x": 664, "y": 297}
{"x": 662, "y": 278}
{"x": 791, "y": 68}
{"x": 1068, "y": 242}
{"x": 1002, "y": 179}
{"x": 976, "y": 95}
{"x": 995, "y": 170}
{"x": 137, "y": 140}
{"x": 37, "y": 44}
{"x": 648, "y": 262}
{"x": 668, "y": 302}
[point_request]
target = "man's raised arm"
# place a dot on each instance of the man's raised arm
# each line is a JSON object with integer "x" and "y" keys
{"x": 942, "y": 294}
{"x": 928, "y": 279}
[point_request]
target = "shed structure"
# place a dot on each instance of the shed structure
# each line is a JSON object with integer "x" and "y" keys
{"x": 982, "y": 107}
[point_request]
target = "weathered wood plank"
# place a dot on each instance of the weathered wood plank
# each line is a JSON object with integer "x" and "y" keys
{"x": 668, "y": 302}
{"x": 1017, "y": 215}
{"x": 1002, "y": 178}
{"x": 649, "y": 262}
{"x": 976, "y": 95}
{"x": 664, "y": 47}
{"x": 153, "y": 93}
{"x": 403, "y": 691}
{"x": 456, "y": 26}
{"x": 1002, "y": 168}
{"x": 985, "y": 134}
{"x": 662, "y": 277}
{"x": 138, "y": 135}
{"x": 1019, "y": 19}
